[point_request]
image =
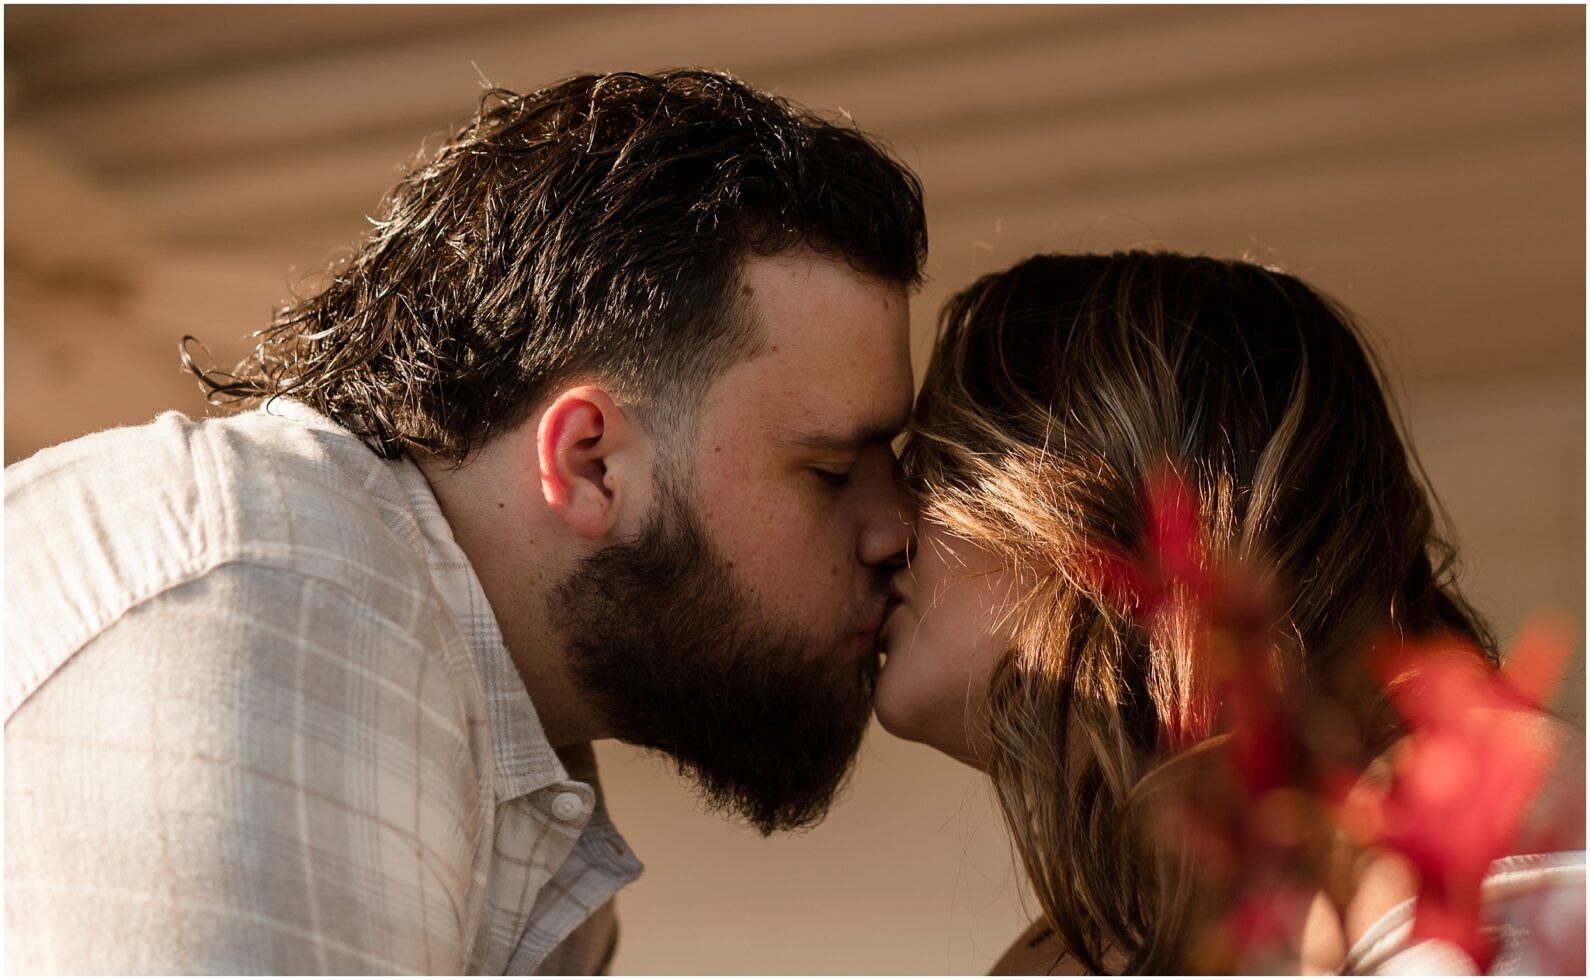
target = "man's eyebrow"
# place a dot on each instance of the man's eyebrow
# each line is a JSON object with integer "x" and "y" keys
{"x": 873, "y": 434}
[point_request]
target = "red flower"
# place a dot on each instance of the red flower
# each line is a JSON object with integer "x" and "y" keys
{"x": 1171, "y": 555}
{"x": 1463, "y": 780}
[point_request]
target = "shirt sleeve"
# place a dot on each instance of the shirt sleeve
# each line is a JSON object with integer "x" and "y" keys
{"x": 254, "y": 772}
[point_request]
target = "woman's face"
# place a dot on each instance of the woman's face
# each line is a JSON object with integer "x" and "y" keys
{"x": 951, "y": 626}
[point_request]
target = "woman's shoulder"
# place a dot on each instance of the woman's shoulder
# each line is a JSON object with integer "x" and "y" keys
{"x": 1038, "y": 953}
{"x": 1032, "y": 955}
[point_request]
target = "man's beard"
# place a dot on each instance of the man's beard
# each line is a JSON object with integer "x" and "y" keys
{"x": 674, "y": 655}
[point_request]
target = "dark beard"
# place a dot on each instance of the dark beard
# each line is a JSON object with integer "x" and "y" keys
{"x": 675, "y": 656}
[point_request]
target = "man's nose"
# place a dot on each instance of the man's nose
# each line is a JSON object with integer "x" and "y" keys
{"x": 889, "y": 535}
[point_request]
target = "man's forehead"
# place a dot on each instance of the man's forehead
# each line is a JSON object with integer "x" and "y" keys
{"x": 797, "y": 297}
{"x": 840, "y": 410}
{"x": 825, "y": 400}
{"x": 832, "y": 366}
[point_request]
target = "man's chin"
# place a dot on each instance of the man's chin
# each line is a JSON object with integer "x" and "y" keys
{"x": 769, "y": 800}
{"x": 782, "y": 746}
{"x": 813, "y": 764}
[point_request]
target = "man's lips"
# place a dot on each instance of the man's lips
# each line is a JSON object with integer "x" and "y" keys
{"x": 875, "y": 624}
{"x": 881, "y": 617}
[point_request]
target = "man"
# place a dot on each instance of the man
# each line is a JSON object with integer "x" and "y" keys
{"x": 589, "y": 439}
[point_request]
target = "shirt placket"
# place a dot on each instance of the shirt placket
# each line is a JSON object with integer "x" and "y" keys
{"x": 535, "y": 833}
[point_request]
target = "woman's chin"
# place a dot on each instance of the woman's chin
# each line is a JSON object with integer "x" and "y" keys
{"x": 905, "y": 713}
{"x": 883, "y": 706}
{"x": 892, "y": 702}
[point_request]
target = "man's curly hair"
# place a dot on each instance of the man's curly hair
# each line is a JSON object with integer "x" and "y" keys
{"x": 593, "y": 230}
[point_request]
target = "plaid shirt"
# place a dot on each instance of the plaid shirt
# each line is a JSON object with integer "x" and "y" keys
{"x": 260, "y": 719}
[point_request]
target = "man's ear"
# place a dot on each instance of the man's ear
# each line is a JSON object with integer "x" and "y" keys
{"x": 590, "y": 454}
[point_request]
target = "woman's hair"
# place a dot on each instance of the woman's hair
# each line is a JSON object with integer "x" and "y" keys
{"x": 1058, "y": 391}
{"x": 595, "y": 228}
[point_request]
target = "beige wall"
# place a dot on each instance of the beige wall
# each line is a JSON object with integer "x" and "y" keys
{"x": 173, "y": 170}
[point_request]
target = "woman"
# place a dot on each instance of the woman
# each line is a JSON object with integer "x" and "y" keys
{"x": 1080, "y": 413}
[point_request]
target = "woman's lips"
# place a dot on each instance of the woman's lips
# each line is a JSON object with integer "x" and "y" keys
{"x": 897, "y": 594}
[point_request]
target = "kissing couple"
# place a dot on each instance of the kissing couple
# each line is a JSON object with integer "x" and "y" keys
{"x": 594, "y": 437}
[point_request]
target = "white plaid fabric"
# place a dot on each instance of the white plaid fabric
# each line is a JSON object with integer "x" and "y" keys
{"x": 259, "y": 719}
{"x": 1533, "y": 910}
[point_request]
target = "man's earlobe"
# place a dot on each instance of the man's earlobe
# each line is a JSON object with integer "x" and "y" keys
{"x": 579, "y": 433}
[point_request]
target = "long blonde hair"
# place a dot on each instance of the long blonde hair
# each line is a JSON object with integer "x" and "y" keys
{"x": 1056, "y": 392}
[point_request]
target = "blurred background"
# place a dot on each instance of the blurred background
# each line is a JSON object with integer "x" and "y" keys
{"x": 173, "y": 170}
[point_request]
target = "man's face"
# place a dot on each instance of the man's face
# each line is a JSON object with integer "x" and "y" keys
{"x": 794, "y": 474}
{"x": 738, "y": 633}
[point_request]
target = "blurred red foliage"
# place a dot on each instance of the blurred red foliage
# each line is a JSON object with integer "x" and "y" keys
{"x": 1461, "y": 781}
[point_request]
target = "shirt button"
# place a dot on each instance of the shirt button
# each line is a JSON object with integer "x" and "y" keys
{"x": 567, "y": 806}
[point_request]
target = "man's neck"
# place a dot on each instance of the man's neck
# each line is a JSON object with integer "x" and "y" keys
{"x": 511, "y": 545}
